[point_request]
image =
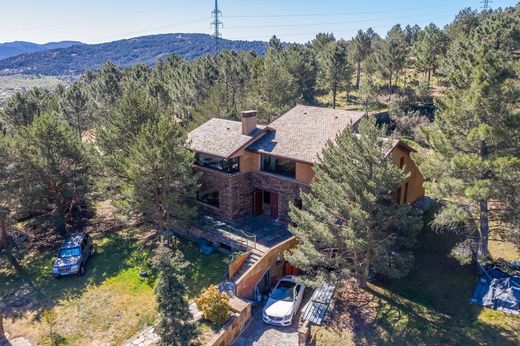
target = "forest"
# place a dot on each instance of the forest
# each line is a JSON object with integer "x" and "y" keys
{"x": 119, "y": 134}
{"x": 64, "y": 148}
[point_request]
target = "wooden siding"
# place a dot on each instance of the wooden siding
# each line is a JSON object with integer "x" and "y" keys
{"x": 304, "y": 172}
{"x": 249, "y": 162}
{"x": 415, "y": 180}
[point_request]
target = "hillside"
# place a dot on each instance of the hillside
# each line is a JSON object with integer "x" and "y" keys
{"x": 146, "y": 49}
{"x": 11, "y": 49}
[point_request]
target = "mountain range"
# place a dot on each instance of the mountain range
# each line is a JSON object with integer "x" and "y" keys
{"x": 77, "y": 57}
{"x": 10, "y": 49}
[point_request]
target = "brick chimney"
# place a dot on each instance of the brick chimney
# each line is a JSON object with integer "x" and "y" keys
{"x": 248, "y": 122}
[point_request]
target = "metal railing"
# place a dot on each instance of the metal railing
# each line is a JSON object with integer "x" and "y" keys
{"x": 245, "y": 238}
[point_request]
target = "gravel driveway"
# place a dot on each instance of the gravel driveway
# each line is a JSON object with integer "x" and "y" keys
{"x": 259, "y": 333}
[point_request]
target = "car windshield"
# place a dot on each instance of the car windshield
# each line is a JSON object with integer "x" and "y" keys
{"x": 284, "y": 291}
{"x": 70, "y": 252}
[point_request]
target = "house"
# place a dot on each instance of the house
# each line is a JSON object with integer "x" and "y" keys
{"x": 250, "y": 170}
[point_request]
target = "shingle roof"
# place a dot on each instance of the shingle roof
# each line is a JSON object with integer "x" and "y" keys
{"x": 220, "y": 137}
{"x": 301, "y": 133}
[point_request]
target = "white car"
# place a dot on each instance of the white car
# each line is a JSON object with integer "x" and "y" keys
{"x": 283, "y": 302}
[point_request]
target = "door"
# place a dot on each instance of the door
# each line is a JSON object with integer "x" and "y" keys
{"x": 274, "y": 205}
{"x": 257, "y": 202}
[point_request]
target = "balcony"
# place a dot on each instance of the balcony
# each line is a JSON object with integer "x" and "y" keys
{"x": 231, "y": 165}
{"x": 278, "y": 166}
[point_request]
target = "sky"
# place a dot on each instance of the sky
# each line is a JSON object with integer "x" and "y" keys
{"x": 96, "y": 21}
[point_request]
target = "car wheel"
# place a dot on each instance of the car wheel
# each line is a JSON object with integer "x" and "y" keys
{"x": 81, "y": 271}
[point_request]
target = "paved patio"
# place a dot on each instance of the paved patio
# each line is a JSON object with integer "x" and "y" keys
{"x": 267, "y": 231}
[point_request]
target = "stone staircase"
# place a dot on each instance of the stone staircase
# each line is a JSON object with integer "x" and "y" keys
{"x": 253, "y": 258}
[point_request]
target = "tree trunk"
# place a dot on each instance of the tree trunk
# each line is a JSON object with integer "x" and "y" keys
{"x": 2, "y": 331}
{"x": 483, "y": 251}
{"x": 390, "y": 83}
{"x": 4, "y": 237}
{"x": 14, "y": 262}
{"x": 363, "y": 279}
{"x": 358, "y": 74}
{"x": 334, "y": 90}
{"x": 429, "y": 77}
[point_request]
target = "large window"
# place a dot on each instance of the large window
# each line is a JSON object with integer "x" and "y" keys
{"x": 279, "y": 166}
{"x": 227, "y": 165}
{"x": 208, "y": 197}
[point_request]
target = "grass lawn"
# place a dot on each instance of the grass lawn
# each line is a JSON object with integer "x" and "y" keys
{"x": 109, "y": 304}
{"x": 428, "y": 307}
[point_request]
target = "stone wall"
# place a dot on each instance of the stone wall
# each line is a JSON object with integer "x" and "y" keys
{"x": 236, "y": 192}
{"x": 288, "y": 190}
{"x": 246, "y": 284}
{"x": 237, "y": 263}
{"x": 235, "y": 325}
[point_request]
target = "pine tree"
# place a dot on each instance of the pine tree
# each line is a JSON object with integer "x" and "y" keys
{"x": 52, "y": 170}
{"x": 429, "y": 46}
{"x": 175, "y": 326}
{"x": 322, "y": 42}
{"x": 337, "y": 70}
{"x": 475, "y": 145}
{"x": 21, "y": 109}
{"x": 361, "y": 48}
{"x": 391, "y": 54}
{"x": 348, "y": 224}
{"x": 74, "y": 108}
{"x": 121, "y": 127}
{"x": 302, "y": 64}
{"x": 367, "y": 92}
{"x": 276, "y": 89}
{"x": 275, "y": 44}
{"x": 6, "y": 191}
{"x": 158, "y": 181}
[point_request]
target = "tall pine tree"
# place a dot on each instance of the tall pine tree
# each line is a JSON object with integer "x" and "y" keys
{"x": 348, "y": 224}
{"x": 158, "y": 181}
{"x": 52, "y": 170}
{"x": 175, "y": 326}
{"x": 475, "y": 145}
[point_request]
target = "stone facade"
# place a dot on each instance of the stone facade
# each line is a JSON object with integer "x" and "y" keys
{"x": 288, "y": 190}
{"x": 236, "y": 192}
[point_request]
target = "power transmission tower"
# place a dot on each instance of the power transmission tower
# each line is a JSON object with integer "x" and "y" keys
{"x": 485, "y": 4}
{"x": 216, "y": 24}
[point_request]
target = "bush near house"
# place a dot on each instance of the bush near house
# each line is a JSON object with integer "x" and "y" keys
{"x": 214, "y": 305}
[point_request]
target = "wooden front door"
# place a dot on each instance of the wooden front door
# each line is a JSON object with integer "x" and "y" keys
{"x": 257, "y": 202}
{"x": 274, "y": 205}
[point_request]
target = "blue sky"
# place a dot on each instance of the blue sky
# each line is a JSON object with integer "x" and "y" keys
{"x": 95, "y": 21}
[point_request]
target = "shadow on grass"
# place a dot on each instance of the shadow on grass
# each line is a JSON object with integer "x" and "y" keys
{"x": 431, "y": 305}
{"x": 36, "y": 289}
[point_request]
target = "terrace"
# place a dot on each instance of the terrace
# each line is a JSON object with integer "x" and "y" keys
{"x": 259, "y": 233}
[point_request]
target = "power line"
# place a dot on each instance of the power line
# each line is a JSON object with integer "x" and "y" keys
{"x": 150, "y": 29}
{"x": 95, "y": 19}
{"x": 216, "y": 24}
{"x": 485, "y": 4}
{"x": 348, "y": 30}
{"x": 340, "y": 13}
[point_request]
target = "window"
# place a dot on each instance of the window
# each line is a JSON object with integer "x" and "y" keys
{"x": 279, "y": 166}
{"x": 401, "y": 162}
{"x": 209, "y": 197}
{"x": 227, "y": 165}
